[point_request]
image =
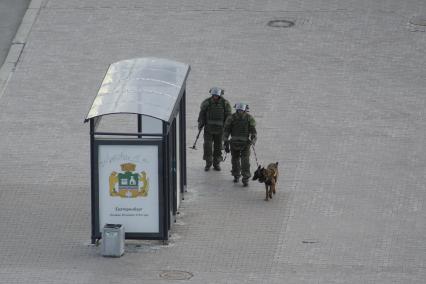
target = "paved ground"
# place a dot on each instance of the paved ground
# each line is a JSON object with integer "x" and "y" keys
{"x": 11, "y": 13}
{"x": 339, "y": 101}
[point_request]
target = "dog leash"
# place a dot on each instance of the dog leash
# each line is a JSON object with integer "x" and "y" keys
{"x": 255, "y": 156}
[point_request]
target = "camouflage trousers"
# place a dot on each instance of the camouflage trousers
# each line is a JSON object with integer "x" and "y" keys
{"x": 212, "y": 148}
{"x": 240, "y": 160}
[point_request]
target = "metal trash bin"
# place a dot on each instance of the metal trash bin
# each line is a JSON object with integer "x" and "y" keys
{"x": 113, "y": 240}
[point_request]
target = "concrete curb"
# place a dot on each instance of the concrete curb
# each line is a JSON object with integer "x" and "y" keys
{"x": 18, "y": 43}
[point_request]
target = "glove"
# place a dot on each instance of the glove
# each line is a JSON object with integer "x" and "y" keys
{"x": 253, "y": 140}
{"x": 226, "y": 143}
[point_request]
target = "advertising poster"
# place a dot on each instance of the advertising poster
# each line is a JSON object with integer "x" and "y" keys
{"x": 128, "y": 187}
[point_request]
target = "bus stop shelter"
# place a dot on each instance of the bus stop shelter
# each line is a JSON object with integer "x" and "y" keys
{"x": 138, "y": 165}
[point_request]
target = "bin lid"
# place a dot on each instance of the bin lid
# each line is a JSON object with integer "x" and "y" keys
{"x": 148, "y": 86}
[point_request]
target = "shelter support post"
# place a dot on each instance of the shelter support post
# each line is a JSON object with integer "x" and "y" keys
{"x": 92, "y": 174}
{"x": 183, "y": 147}
{"x": 166, "y": 181}
{"x": 139, "y": 125}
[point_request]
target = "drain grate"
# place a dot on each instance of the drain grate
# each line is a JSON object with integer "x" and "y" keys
{"x": 176, "y": 275}
{"x": 281, "y": 23}
{"x": 418, "y": 21}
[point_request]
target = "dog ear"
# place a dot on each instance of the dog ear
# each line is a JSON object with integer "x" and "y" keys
{"x": 276, "y": 164}
{"x": 258, "y": 167}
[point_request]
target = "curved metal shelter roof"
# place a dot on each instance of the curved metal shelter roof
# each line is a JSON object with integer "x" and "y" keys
{"x": 148, "y": 86}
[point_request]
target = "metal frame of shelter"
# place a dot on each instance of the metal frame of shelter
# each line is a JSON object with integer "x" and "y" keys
{"x": 154, "y": 89}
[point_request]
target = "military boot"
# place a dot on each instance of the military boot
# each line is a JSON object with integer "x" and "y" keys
{"x": 207, "y": 167}
{"x": 236, "y": 179}
{"x": 245, "y": 182}
{"x": 216, "y": 167}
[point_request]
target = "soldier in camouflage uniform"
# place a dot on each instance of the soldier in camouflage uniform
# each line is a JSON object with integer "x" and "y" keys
{"x": 240, "y": 126}
{"x": 213, "y": 113}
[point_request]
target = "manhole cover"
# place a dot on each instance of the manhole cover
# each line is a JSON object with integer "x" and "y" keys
{"x": 418, "y": 20}
{"x": 281, "y": 23}
{"x": 176, "y": 275}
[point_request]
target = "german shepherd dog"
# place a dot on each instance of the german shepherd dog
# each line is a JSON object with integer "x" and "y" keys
{"x": 269, "y": 176}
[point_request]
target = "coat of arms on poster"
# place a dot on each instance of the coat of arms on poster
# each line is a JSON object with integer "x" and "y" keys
{"x": 128, "y": 183}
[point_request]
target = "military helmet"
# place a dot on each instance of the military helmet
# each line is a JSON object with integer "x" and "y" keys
{"x": 216, "y": 91}
{"x": 241, "y": 106}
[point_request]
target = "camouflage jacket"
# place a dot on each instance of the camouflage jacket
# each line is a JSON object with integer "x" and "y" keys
{"x": 214, "y": 114}
{"x": 241, "y": 127}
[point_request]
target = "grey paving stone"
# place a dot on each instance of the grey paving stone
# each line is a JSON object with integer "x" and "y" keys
{"x": 339, "y": 103}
